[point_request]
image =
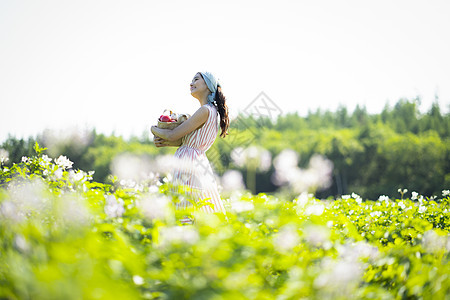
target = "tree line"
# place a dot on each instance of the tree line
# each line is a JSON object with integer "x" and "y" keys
{"x": 372, "y": 154}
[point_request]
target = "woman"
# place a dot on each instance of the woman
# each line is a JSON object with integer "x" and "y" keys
{"x": 198, "y": 133}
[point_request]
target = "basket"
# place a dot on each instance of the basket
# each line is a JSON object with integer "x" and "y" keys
{"x": 173, "y": 125}
{"x": 168, "y": 125}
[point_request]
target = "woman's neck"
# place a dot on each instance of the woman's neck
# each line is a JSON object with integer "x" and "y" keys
{"x": 203, "y": 99}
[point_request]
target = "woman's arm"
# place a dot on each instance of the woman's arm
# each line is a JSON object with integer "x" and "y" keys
{"x": 196, "y": 121}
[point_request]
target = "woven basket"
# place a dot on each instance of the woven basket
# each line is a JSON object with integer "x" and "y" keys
{"x": 168, "y": 125}
{"x": 173, "y": 125}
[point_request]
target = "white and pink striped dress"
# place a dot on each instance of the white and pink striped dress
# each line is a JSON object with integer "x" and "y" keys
{"x": 198, "y": 174}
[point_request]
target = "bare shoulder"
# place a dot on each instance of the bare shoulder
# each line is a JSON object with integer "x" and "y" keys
{"x": 202, "y": 112}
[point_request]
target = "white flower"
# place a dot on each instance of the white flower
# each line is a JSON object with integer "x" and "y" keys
{"x": 414, "y": 195}
{"x": 420, "y": 199}
{"x": 376, "y": 213}
{"x": 422, "y": 209}
{"x": 58, "y": 173}
{"x": 286, "y": 239}
{"x": 138, "y": 280}
{"x": 357, "y": 198}
{"x": 433, "y": 242}
{"x": 74, "y": 211}
{"x": 4, "y": 156}
{"x": 232, "y": 181}
{"x": 402, "y": 205}
{"x": 10, "y": 211}
{"x": 240, "y": 206}
{"x": 317, "y": 235}
{"x": 253, "y": 155}
{"x": 178, "y": 235}
{"x": 25, "y": 159}
{"x": 113, "y": 207}
{"x": 155, "y": 206}
{"x": 384, "y": 198}
{"x": 345, "y": 197}
{"x": 339, "y": 276}
{"x": 445, "y": 193}
{"x": 315, "y": 209}
{"x": 355, "y": 251}
{"x": 316, "y": 176}
{"x": 76, "y": 176}
{"x": 63, "y": 162}
{"x": 46, "y": 159}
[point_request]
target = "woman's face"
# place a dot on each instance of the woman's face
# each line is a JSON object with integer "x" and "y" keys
{"x": 198, "y": 86}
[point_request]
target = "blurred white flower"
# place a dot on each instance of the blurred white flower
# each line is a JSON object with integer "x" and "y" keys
{"x": 238, "y": 157}
{"x": 155, "y": 206}
{"x": 286, "y": 239}
{"x": 73, "y": 211}
{"x": 114, "y": 207}
{"x": 355, "y": 251}
{"x": 239, "y": 206}
{"x": 63, "y": 162}
{"x": 4, "y": 156}
{"x": 316, "y": 176}
{"x": 25, "y": 159}
{"x": 127, "y": 183}
{"x": 11, "y": 212}
{"x": 445, "y": 193}
{"x": 177, "y": 235}
{"x": 287, "y": 160}
{"x": 21, "y": 243}
{"x": 302, "y": 200}
{"x": 70, "y": 137}
{"x": 255, "y": 156}
{"x": 315, "y": 209}
{"x": 339, "y": 276}
{"x": 77, "y": 176}
{"x": 131, "y": 168}
{"x": 29, "y": 196}
{"x": 317, "y": 235}
{"x": 432, "y": 242}
{"x": 138, "y": 280}
{"x": 232, "y": 180}
{"x": 402, "y": 205}
{"x": 414, "y": 195}
{"x": 58, "y": 173}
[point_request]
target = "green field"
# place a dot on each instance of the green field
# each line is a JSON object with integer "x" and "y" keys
{"x": 65, "y": 236}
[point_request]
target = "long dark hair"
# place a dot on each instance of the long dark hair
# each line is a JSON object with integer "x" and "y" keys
{"x": 222, "y": 108}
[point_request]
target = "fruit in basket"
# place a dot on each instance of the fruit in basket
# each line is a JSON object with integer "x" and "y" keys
{"x": 165, "y": 118}
{"x": 170, "y": 120}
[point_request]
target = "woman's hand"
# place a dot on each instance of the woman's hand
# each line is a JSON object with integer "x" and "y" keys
{"x": 160, "y": 142}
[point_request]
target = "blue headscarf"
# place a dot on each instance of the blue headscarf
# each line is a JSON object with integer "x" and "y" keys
{"x": 212, "y": 82}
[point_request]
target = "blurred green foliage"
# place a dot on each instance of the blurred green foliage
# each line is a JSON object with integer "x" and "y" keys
{"x": 65, "y": 236}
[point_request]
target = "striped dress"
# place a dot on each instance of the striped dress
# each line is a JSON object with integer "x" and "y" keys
{"x": 195, "y": 170}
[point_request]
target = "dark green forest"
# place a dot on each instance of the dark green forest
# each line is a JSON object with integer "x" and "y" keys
{"x": 372, "y": 154}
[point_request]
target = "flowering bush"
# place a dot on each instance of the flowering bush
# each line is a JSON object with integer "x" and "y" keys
{"x": 66, "y": 237}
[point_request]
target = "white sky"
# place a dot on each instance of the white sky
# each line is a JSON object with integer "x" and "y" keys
{"x": 116, "y": 65}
